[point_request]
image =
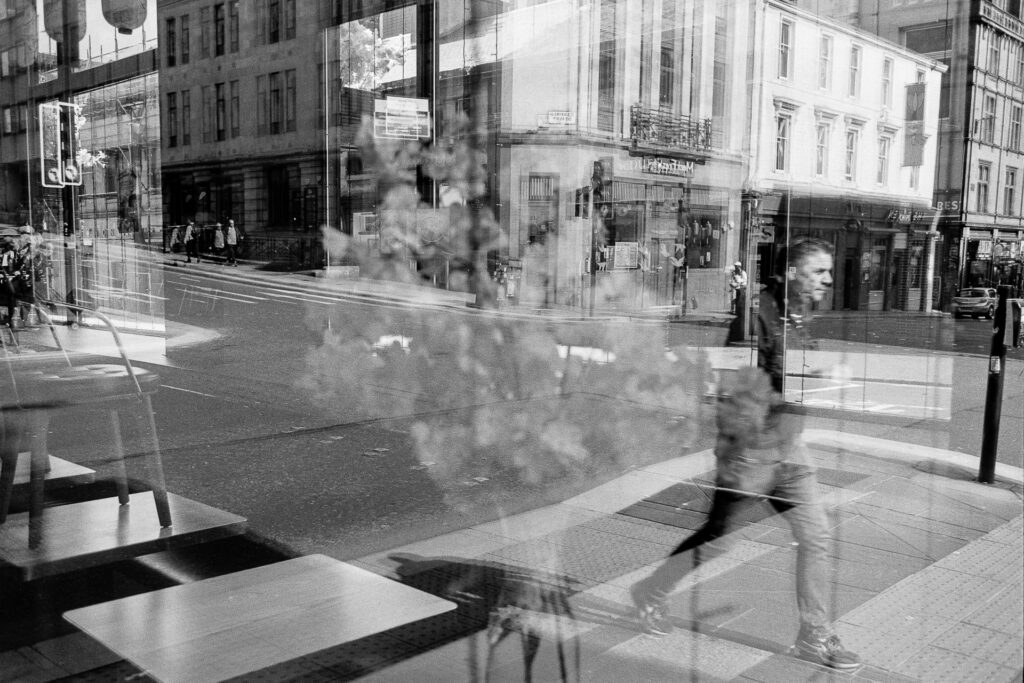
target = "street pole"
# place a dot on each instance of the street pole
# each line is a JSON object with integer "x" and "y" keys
{"x": 994, "y": 392}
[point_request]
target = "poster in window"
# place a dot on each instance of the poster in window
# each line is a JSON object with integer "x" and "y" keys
{"x": 626, "y": 255}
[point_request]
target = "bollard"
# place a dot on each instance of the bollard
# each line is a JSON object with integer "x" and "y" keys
{"x": 994, "y": 392}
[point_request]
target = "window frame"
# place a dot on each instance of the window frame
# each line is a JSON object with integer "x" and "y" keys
{"x": 171, "y": 41}
{"x": 783, "y": 140}
{"x": 856, "y": 65}
{"x": 787, "y": 38}
{"x": 888, "y": 70}
{"x": 1010, "y": 191}
{"x": 186, "y": 36}
{"x": 826, "y": 50}
{"x": 850, "y": 152}
{"x": 885, "y": 143}
{"x": 822, "y": 138}
{"x": 981, "y": 195}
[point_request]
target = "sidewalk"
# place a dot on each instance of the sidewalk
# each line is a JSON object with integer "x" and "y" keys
{"x": 928, "y": 577}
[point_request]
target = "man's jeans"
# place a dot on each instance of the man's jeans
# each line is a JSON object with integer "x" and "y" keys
{"x": 793, "y": 490}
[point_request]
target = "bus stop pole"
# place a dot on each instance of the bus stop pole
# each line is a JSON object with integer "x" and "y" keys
{"x": 994, "y": 392}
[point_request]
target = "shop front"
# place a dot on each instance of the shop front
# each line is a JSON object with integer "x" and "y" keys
{"x": 993, "y": 257}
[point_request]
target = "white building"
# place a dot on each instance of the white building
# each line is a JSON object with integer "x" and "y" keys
{"x": 843, "y": 134}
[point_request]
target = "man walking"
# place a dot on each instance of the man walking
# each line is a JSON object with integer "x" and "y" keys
{"x": 769, "y": 459}
{"x": 230, "y": 243}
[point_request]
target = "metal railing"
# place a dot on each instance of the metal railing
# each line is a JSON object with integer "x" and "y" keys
{"x": 658, "y": 128}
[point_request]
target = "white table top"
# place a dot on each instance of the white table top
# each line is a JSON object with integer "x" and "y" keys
{"x": 248, "y": 620}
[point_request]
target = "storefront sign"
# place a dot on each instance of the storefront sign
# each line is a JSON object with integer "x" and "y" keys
{"x": 561, "y": 118}
{"x": 403, "y": 118}
{"x": 625, "y": 255}
{"x": 664, "y": 166}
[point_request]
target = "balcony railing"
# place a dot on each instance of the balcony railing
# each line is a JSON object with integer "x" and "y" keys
{"x": 657, "y": 128}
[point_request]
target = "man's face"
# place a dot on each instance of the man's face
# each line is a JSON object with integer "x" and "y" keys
{"x": 810, "y": 279}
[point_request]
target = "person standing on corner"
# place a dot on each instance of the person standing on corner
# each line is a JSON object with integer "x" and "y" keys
{"x": 762, "y": 454}
{"x": 191, "y": 242}
{"x": 230, "y": 243}
{"x": 738, "y": 288}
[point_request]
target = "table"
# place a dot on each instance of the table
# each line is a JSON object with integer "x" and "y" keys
{"x": 242, "y": 622}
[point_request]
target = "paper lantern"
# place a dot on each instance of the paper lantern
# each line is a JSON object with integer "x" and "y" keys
{"x": 53, "y": 18}
{"x": 125, "y": 15}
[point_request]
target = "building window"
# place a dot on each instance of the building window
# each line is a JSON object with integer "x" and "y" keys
{"x": 206, "y": 103}
{"x": 719, "y": 99}
{"x": 1010, "y": 192}
{"x": 171, "y": 38}
{"x": 222, "y": 113}
{"x": 852, "y": 142}
{"x": 262, "y": 105}
{"x": 273, "y": 21}
{"x": 822, "y": 134}
{"x": 290, "y": 100}
{"x": 235, "y": 109}
{"x": 666, "y": 81}
{"x": 276, "y": 103}
{"x": 1019, "y": 76}
{"x": 915, "y": 177}
{"x": 186, "y": 117}
{"x": 233, "y": 25}
{"x": 289, "y": 19}
{"x": 993, "y": 54}
{"x": 783, "y": 133}
{"x": 172, "y": 119}
{"x": 606, "y": 68}
{"x": 218, "y": 29}
{"x": 204, "y": 32}
{"x": 988, "y": 120}
{"x": 786, "y": 29}
{"x": 1015, "y": 120}
{"x": 884, "y": 147}
{"x": 825, "y": 63}
{"x": 185, "y": 38}
{"x": 887, "y": 66}
{"x": 984, "y": 173}
{"x": 853, "y": 87}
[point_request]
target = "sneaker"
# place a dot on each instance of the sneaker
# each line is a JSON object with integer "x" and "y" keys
{"x": 828, "y": 651}
{"x": 652, "y": 613}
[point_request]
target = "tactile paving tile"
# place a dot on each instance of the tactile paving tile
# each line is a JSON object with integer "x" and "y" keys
{"x": 932, "y": 592}
{"x": 628, "y": 527}
{"x": 984, "y": 558}
{"x": 937, "y": 666}
{"x": 875, "y": 647}
{"x": 982, "y": 643}
{"x": 1002, "y": 613}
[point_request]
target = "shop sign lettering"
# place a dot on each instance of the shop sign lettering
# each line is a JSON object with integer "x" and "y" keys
{"x": 666, "y": 166}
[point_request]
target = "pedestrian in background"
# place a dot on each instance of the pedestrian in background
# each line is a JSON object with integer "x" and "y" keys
{"x": 760, "y": 453}
{"x": 231, "y": 238}
{"x": 218, "y": 239}
{"x": 191, "y": 242}
{"x": 738, "y": 287}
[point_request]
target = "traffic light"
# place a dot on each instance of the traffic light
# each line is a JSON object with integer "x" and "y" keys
{"x": 69, "y": 137}
{"x": 50, "y": 144}
{"x": 58, "y": 144}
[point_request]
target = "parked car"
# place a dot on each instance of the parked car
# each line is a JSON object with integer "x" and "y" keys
{"x": 975, "y": 302}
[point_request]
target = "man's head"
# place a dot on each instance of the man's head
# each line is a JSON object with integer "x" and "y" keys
{"x": 807, "y": 269}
